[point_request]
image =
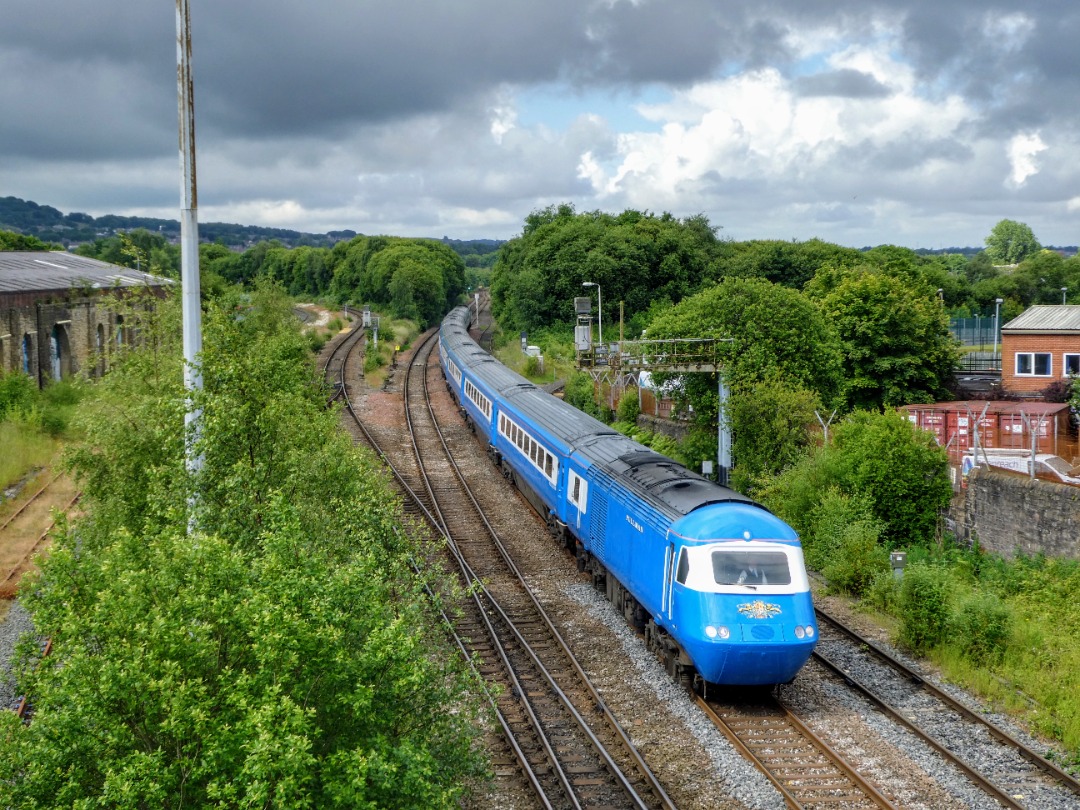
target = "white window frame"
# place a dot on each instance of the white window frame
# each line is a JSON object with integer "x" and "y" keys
{"x": 1031, "y": 364}
{"x": 1065, "y": 364}
{"x": 576, "y": 482}
{"x": 478, "y": 399}
{"x": 539, "y": 456}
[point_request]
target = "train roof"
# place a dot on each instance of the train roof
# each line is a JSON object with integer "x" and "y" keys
{"x": 655, "y": 477}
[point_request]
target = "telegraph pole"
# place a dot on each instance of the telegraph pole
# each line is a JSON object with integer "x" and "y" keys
{"x": 189, "y": 229}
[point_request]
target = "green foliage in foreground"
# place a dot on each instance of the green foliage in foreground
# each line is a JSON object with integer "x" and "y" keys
{"x": 279, "y": 655}
{"x": 901, "y": 472}
{"x": 1006, "y": 629}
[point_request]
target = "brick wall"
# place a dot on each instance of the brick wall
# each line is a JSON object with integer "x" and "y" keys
{"x": 1057, "y": 345}
{"x": 1007, "y": 512}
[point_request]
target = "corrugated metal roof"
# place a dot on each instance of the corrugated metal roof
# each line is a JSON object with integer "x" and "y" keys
{"x": 39, "y": 271}
{"x": 1058, "y": 318}
{"x": 1005, "y": 406}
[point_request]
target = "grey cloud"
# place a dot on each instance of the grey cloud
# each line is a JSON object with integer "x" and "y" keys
{"x": 846, "y": 83}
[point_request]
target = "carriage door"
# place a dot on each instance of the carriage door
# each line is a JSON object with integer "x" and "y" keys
{"x": 669, "y": 578}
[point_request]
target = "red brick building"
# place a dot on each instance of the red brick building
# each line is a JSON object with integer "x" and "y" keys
{"x": 1039, "y": 347}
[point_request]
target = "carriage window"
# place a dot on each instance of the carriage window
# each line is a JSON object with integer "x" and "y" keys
{"x": 578, "y": 488}
{"x": 547, "y": 464}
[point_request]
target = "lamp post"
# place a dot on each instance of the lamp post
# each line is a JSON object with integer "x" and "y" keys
{"x": 997, "y": 326}
{"x": 599, "y": 308}
{"x": 1063, "y": 291}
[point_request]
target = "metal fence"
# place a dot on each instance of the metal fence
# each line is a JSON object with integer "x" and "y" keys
{"x": 977, "y": 331}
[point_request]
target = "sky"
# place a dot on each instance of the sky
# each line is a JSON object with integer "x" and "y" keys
{"x": 919, "y": 123}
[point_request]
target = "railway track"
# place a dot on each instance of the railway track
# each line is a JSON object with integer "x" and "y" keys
{"x": 21, "y": 543}
{"x": 999, "y": 764}
{"x": 569, "y": 747}
{"x": 800, "y": 764}
{"x": 808, "y": 773}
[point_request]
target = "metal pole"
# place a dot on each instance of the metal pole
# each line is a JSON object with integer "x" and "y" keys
{"x": 600, "y": 314}
{"x": 723, "y": 454}
{"x": 997, "y": 329}
{"x": 189, "y": 226}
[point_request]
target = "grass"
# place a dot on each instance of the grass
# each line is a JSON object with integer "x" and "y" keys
{"x": 26, "y": 449}
{"x": 1034, "y": 674}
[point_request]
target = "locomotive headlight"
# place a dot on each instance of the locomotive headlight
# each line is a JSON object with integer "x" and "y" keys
{"x": 809, "y": 631}
{"x": 710, "y": 631}
{"x": 799, "y": 632}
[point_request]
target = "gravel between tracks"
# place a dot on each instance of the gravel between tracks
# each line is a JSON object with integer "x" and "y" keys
{"x": 13, "y": 625}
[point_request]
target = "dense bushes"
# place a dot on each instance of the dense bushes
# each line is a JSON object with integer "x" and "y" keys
{"x": 251, "y": 634}
{"x": 924, "y": 607}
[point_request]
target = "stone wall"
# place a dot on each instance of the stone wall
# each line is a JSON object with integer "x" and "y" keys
{"x": 1008, "y": 512}
{"x": 677, "y": 430}
{"x": 86, "y": 329}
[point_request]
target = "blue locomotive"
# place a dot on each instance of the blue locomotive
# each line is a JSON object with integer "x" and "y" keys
{"x": 715, "y": 581}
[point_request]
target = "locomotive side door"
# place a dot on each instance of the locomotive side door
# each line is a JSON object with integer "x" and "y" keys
{"x": 669, "y": 579}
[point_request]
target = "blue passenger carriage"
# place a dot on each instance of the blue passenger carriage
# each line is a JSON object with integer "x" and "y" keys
{"x": 716, "y": 583}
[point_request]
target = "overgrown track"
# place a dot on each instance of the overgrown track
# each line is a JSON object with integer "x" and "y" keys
{"x": 569, "y": 748}
{"x": 995, "y": 761}
{"x": 17, "y": 555}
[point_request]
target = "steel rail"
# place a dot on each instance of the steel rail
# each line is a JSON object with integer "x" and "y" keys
{"x": 974, "y": 775}
{"x": 594, "y": 741}
{"x": 999, "y": 733}
{"x": 519, "y": 753}
{"x": 639, "y": 761}
{"x": 791, "y": 795}
{"x": 32, "y": 498}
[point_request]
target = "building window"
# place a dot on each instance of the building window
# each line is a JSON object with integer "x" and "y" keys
{"x": 1033, "y": 364}
{"x": 1071, "y": 364}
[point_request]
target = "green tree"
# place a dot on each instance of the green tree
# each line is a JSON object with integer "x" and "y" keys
{"x": 789, "y": 263}
{"x": 635, "y": 257}
{"x": 900, "y": 471}
{"x": 896, "y": 340}
{"x": 282, "y": 653}
{"x": 766, "y": 331}
{"x": 19, "y": 241}
{"x": 771, "y": 423}
{"x": 1011, "y": 242}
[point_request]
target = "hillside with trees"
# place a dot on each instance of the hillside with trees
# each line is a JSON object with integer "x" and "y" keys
{"x": 51, "y": 225}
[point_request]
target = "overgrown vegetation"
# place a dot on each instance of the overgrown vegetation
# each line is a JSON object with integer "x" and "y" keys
{"x": 277, "y": 650}
{"x": 1004, "y": 628}
{"x": 31, "y": 423}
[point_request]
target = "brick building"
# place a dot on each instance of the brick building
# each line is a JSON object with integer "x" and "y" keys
{"x": 55, "y": 318}
{"x": 1038, "y": 347}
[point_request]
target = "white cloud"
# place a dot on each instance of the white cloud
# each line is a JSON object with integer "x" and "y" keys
{"x": 1022, "y": 150}
{"x": 1008, "y": 32}
{"x": 753, "y": 126}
